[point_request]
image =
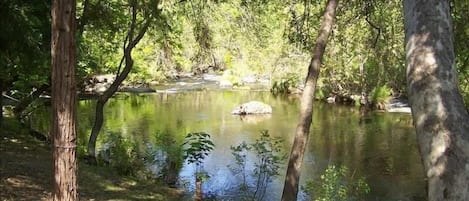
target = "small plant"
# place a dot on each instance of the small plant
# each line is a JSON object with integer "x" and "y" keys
{"x": 269, "y": 158}
{"x": 380, "y": 96}
{"x": 336, "y": 185}
{"x": 240, "y": 153}
{"x": 197, "y": 147}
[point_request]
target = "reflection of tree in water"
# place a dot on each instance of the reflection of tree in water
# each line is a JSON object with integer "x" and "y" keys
{"x": 254, "y": 119}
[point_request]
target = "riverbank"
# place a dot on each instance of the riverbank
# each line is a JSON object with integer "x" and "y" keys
{"x": 214, "y": 81}
{"x": 26, "y": 174}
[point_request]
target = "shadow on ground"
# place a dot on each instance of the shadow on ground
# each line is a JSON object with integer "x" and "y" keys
{"x": 26, "y": 174}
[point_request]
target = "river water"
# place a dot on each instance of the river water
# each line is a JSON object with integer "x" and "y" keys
{"x": 381, "y": 148}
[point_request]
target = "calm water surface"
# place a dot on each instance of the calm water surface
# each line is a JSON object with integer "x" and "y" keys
{"x": 383, "y": 149}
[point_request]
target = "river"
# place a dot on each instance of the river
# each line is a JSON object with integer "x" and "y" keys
{"x": 381, "y": 148}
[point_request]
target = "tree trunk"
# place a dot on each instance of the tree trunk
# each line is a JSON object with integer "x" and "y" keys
{"x": 129, "y": 44}
{"x": 98, "y": 123}
{"x": 290, "y": 190}
{"x": 172, "y": 172}
{"x": 3, "y": 90}
{"x": 64, "y": 100}
{"x": 440, "y": 118}
{"x": 1, "y": 108}
{"x": 198, "y": 189}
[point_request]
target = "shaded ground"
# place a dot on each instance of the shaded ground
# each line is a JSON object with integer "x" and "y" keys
{"x": 26, "y": 174}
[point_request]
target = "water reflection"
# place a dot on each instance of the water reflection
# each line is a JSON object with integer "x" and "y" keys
{"x": 383, "y": 149}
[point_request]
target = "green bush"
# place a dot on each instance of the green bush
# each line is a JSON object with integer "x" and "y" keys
{"x": 173, "y": 160}
{"x": 380, "y": 96}
{"x": 285, "y": 84}
{"x": 123, "y": 156}
{"x": 335, "y": 184}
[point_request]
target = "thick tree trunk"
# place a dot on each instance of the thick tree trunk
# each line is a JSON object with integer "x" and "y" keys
{"x": 64, "y": 100}
{"x": 2, "y": 91}
{"x": 440, "y": 118}
{"x": 290, "y": 190}
{"x": 129, "y": 45}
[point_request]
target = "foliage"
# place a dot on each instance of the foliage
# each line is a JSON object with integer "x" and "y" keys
{"x": 269, "y": 158}
{"x": 24, "y": 46}
{"x": 172, "y": 154}
{"x": 123, "y": 155}
{"x": 461, "y": 33}
{"x": 380, "y": 96}
{"x": 102, "y": 25}
{"x": 240, "y": 153}
{"x": 170, "y": 145}
{"x": 285, "y": 85}
{"x": 198, "y": 146}
{"x": 336, "y": 185}
{"x": 365, "y": 49}
{"x": 268, "y": 39}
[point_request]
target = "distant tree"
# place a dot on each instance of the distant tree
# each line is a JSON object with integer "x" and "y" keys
{"x": 64, "y": 100}
{"x": 440, "y": 118}
{"x": 292, "y": 178}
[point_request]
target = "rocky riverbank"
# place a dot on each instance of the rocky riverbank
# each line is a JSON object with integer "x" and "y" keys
{"x": 225, "y": 81}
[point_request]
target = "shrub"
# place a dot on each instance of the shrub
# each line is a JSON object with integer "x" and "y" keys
{"x": 285, "y": 84}
{"x": 122, "y": 155}
{"x": 380, "y": 96}
{"x": 269, "y": 158}
{"x": 335, "y": 184}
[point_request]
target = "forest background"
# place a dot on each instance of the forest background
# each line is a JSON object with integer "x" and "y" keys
{"x": 265, "y": 39}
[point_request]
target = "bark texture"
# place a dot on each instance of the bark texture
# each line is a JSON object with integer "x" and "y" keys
{"x": 64, "y": 100}
{"x": 131, "y": 41}
{"x": 290, "y": 190}
{"x": 440, "y": 118}
{"x": 198, "y": 190}
{"x": 1, "y": 107}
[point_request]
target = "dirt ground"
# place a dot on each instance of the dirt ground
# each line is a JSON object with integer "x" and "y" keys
{"x": 26, "y": 174}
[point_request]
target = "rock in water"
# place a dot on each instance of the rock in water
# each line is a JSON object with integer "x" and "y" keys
{"x": 252, "y": 107}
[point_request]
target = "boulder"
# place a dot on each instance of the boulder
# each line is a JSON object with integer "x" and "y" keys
{"x": 252, "y": 107}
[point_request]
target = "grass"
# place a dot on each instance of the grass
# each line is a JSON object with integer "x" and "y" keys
{"x": 26, "y": 174}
